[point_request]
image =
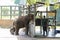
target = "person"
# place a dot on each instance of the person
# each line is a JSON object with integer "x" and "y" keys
{"x": 44, "y": 23}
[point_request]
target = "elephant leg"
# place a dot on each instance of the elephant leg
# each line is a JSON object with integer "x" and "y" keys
{"x": 27, "y": 29}
{"x": 12, "y": 32}
{"x": 16, "y": 31}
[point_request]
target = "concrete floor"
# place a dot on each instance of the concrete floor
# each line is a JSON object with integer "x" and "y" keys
{"x": 5, "y": 35}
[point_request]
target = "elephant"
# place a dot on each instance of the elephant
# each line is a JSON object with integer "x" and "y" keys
{"x": 21, "y": 22}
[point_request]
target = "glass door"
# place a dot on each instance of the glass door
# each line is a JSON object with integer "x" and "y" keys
{"x": 52, "y": 23}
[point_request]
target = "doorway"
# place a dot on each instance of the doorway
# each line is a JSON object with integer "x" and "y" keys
{"x": 51, "y": 23}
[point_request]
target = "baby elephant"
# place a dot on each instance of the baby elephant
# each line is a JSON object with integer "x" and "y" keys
{"x": 21, "y": 22}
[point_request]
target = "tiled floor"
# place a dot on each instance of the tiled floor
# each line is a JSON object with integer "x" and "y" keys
{"x": 5, "y": 35}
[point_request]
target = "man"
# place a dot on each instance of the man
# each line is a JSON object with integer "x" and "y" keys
{"x": 45, "y": 24}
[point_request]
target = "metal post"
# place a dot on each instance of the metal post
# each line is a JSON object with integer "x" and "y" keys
{"x": 55, "y": 21}
{"x": 1, "y": 12}
{"x": 23, "y": 10}
{"x": 41, "y": 25}
{"x": 10, "y": 12}
{"x": 29, "y": 9}
{"x": 34, "y": 15}
{"x": 20, "y": 10}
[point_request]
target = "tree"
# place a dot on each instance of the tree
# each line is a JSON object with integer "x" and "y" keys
{"x": 30, "y": 2}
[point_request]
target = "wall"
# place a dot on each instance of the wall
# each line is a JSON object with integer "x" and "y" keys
{"x": 6, "y": 23}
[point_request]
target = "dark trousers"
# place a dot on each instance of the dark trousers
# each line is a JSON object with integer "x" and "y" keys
{"x": 45, "y": 31}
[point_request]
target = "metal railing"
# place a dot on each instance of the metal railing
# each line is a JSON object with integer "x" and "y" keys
{"x": 11, "y": 12}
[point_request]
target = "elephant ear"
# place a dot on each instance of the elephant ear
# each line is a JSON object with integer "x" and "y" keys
{"x": 31, "y": 16}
